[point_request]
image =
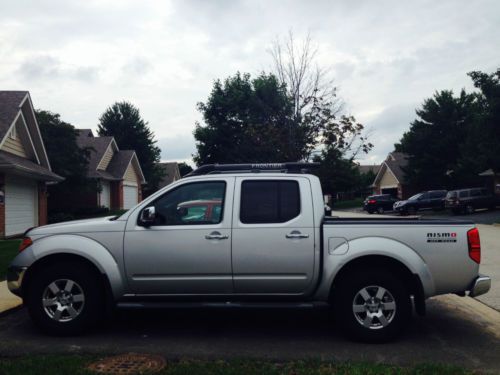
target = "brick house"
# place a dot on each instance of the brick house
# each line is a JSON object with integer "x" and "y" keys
{"x": 390, "y": 178}
{"x": 24, "y": 166}
{"x": 117, "y": 173}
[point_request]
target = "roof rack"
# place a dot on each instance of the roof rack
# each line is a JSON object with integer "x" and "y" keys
{"x": 253, "y": 168}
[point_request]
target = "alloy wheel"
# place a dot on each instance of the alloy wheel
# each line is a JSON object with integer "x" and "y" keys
{"x": 63, "y": 300}
{"x": 374, "y": 307}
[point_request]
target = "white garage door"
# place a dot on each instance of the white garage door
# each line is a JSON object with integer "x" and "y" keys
{"x": 21, "y": 205}
{"x": 105, "y": 194}
{"x": 130, "y": 196}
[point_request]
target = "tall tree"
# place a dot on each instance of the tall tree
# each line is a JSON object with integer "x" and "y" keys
{"x": 436, "y": 141}
{"x": 245, "y": 120}
{"x": 123, "y": 121}
{"x": 59, "y": 137}
{"x": 487, "y": 124}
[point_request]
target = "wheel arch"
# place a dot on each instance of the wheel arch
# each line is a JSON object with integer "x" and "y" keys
{"x": 383, "y": 262}
{"x": 74, "y": 248}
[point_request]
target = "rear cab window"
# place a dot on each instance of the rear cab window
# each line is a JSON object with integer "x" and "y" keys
{"x": 269, "y": 201}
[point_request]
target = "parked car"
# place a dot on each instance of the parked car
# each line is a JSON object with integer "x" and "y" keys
{"x": 467, "y": 200}
{"x": 379, "y": 203}
{"x": 271, "y": 246}
{"x": 427, "y": 200}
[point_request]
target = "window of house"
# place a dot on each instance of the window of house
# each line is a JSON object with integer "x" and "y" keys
{"x": 191, "y": 204}
{"x": 269, "y": 201}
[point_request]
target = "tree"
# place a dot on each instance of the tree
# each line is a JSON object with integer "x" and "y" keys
{"x": 66, "y": 159}
{"x": 184, "y": 169}
{"x": 245, "y": 120}
{"x": 487, "y": 124}
{"x": 437, "y": 140}
{"x": 123, "y": 121}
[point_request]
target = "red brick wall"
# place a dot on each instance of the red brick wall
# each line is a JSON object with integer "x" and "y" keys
{"x": 116, "y": 195}
{"x": 42, "y": 203}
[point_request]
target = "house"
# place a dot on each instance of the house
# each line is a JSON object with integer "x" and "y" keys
{"x": 171, "y": 173}
{"x": 390, "y": 178}
{"x": 117, "y": 173}
{"x": 365, "y": 169}
{"x": 492, "y": 181}
{"x": 24, "y": 166}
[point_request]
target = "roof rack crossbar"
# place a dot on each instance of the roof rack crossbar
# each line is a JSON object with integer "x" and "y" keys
{"x": 296, "y": 167}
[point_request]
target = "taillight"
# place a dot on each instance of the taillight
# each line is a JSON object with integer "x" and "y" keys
{"x": 474, "y": 245}
{"x": 372, "y": 201}
{"x": 25, "y": 243}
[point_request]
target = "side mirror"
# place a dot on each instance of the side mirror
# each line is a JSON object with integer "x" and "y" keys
{"x": 148, "y": 216}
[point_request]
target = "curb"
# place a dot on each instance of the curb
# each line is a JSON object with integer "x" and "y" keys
{"x": 11, "y": 310}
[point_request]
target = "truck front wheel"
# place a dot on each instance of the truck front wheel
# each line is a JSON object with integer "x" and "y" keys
{"x": 65, "y": 298}
{"x": 372, "y": 306}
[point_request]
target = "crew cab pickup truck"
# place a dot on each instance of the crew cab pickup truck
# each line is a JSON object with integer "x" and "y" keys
{"x": 269, "y": 244}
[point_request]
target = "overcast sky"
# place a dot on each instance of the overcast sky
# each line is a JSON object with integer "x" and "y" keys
{"x": 78, "y": 57}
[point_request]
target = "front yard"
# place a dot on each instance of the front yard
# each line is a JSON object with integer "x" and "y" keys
{"x": 8, "y": 250}
{"x": 76, "y": 364}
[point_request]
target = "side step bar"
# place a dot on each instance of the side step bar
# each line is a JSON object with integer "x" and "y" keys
{"x": 219, "y": 305}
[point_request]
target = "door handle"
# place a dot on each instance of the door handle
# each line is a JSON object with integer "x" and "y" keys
{"x": 296, "y": 234}
{"x": 216, "y": 236}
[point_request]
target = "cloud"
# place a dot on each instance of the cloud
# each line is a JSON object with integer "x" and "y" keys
{"x": 178, "y": 147}
{"x": 77, "y": 58}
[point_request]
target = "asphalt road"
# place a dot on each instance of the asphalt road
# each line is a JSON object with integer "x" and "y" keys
{"x": 456, "y": 330}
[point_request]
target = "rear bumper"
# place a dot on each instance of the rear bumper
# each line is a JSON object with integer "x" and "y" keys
{"x": 15, "y": 277}
{"x": 481, "y": 285}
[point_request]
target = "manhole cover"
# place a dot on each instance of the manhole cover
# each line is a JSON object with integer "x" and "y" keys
{"x": 131, "y": 363}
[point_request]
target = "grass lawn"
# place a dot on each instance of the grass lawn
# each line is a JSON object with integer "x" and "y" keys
{"x": 8, "y": 250}
{"x": 76, "y": 364}
{"x": 354, "y": 203}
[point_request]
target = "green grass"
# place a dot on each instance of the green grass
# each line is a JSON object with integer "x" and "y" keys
{"x": 76, "y": 364}
{"x": 354, "y": 203}
{"x": 8, "y": 250}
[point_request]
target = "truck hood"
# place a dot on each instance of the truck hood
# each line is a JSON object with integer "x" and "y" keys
{"x": 101, "y": 224}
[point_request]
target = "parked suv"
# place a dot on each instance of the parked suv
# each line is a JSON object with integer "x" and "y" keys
{"x": 427, "y": 200}
{"x": 379, "y": 203}
{"x": 468, "y": 200}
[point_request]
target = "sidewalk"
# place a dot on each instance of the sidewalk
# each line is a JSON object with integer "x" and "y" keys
{"x": 7, "y": 299}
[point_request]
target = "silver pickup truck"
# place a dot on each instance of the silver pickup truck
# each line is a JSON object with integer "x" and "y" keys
{"x": 245, "y": 235}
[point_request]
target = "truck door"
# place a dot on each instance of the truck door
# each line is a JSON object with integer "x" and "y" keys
{"x": 273, "y": 235}
{"x": 187, "y": 250}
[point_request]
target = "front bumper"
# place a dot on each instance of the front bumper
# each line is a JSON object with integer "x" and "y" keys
{"x": 481, "y": 285}
{"x": 15, "y": 277}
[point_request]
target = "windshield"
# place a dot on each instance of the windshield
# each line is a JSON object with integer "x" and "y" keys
{"x": 415, "y": 197}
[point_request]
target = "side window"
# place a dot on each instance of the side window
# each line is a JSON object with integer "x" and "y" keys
{"x": 475, "y": 193}
{"x": 269, "y": 201}
{"x": 191, "y": 204}
{"x": 437, "y": 194}
{"x": 464, "y": 194}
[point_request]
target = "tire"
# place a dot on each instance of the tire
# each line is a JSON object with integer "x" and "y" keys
{"x": 73, "y": 297}
{"x": 370, "y": 212}
{"x": 380, "y": 210}
{"x": 350, "y": 294}
{"x": 469, "y": 209}
{"x": 456, "y": 211}
{"x": 412, "y": 211}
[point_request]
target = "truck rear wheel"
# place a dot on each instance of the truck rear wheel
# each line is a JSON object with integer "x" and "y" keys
{"x": 372, "y": 306}
{"x": 65, "y": 298}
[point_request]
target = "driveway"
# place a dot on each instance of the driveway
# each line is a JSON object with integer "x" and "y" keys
{"x": 457, "y": 330}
